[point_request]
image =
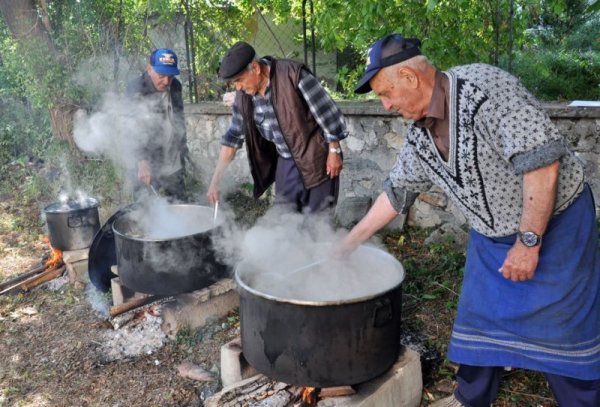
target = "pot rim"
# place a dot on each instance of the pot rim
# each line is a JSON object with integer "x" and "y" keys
{"x": 93, "y": 204}
{"x": 241, "y": 284}
{"x": 158, "y": 240}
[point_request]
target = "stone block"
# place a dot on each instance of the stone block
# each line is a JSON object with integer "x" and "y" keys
{"x": 198, "y": 308}
{"x": 396, "y": 224}
{"x": 234, "y": 366}
{"x": 352, "y": 209}
{"x": 78, "y": 272}
{"x": 401, "y": 386}
{"x": 449, "y": 232}
{"x": 122, "y": 294}
{"x": 73, "y": 256}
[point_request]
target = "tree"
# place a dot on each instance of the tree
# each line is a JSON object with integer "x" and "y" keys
{"x": 38, "y": 56}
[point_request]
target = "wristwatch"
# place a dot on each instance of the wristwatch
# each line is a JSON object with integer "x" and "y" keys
{"x": 336, "y": 150}
{"x": 530, "y": 239}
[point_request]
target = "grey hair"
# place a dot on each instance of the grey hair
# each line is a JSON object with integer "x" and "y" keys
{"x": 418, "y": 63}
{"x": 255, "y": 59}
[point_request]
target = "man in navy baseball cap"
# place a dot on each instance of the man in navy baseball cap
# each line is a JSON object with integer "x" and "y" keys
{"x": 389, "y": 50}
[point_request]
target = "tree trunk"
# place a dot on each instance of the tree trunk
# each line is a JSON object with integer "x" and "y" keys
{"x": 29, "y": 27}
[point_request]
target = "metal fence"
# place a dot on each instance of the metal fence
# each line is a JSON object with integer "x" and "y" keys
{"x": 290, "y": 39}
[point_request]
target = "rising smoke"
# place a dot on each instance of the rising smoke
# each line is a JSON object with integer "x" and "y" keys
{"x": 118, "y": 129}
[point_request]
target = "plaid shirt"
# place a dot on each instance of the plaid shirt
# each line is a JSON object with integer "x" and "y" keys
{"x": 322, "y": 107}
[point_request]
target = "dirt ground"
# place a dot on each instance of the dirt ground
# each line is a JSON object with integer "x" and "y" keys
{"x": 54, "y": 343}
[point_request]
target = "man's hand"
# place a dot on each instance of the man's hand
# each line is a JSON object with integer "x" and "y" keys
{"x": 343, "y": 248}
{"x": 229, "y": 98}
{"x": 213, "y": 192}
{"x": 521, "y": 262}
{"x": 144, "y": 172}
{"x": 334, "y": 162}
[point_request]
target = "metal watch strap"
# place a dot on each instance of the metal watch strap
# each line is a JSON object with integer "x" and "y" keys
{"x": 530, "y": 239}
{"x": 336, "y": 150}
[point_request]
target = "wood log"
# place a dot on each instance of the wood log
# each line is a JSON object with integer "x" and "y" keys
{"x": 133, "y": 303}
{"x": 24, "y": 283}
{"x": 43, "y": 278}
{"x": 34, "y": 271}
{"x": 257, "y": 391}
{"x": 336, "y": 391}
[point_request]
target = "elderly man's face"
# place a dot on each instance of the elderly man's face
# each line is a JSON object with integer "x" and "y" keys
{"x": 160, "y": 82}
{"x": 248, "y": 81}
{"x": 399, "y": 91}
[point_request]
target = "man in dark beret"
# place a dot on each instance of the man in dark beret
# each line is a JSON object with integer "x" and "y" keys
{"x": 531, "y": 287}
{"x": 292, "y": 130}
{"x": 159, "y": 99}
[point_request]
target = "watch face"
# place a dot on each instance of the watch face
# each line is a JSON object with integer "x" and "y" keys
{"x": 529, "y": 239}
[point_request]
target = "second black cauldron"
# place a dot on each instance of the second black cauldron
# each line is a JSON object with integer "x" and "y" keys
{"x": 168, "y": 249}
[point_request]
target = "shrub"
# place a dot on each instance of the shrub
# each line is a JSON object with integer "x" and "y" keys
{"x": 554, "y": 74}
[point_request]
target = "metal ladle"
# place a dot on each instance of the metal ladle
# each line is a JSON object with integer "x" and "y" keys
{"x": 215, "y": 212}
{"x": 153, "y": 190}
{"x": 314, "y": 263}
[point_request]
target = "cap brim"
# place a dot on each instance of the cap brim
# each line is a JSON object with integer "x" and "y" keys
{"x": 166, "y": 70}
{"x": 229, "y": 76}
{"x": 363, "y": 85}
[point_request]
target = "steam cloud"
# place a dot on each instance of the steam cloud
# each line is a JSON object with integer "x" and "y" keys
{"x": 289, "y": 256}
{"x": 117, "y": 130}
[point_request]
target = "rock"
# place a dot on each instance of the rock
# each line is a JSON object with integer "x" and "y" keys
{"x": 194, "y": 372}
{"x": 352, "y": 209}
{"x": 449, "y": 231}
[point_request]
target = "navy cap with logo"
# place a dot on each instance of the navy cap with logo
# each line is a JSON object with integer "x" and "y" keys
{"x": 236, "y": 59}
{"x": 389, "y": 50}
{"x": 164, "y": 62}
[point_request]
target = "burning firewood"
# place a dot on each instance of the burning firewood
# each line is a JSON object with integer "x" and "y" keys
{"x": 11, "y": 282}
{"x": 136, "y": 303}
{"x": 44, "y": 277}
{"x": 36, "y": 279}
{"x": 337, "y": 391}
{"x": 51, "y": 268}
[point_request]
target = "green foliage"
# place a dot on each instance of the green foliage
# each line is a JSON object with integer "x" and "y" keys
{"x": 24, "y": 130}
{"x": 558, "y": 74}
{"x": 432, "y": 272}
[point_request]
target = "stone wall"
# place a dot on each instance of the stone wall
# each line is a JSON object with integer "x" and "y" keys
{"x": 370, "y": 151}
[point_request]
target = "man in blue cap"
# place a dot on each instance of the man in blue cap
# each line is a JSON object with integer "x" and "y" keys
{"x": 160, "y": 164}
{"x": 530, "y": 297}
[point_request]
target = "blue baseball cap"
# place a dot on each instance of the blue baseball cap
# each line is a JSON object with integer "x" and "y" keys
{"x": 164, "y": 62}
{"x": 386, "y": 51}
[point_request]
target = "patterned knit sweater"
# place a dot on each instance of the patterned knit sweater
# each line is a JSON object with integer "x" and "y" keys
{"x": 498, "y": 131}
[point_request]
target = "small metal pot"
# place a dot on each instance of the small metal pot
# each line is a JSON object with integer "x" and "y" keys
{"x": 321, "y": 343}
{"x": 72, "y": 224}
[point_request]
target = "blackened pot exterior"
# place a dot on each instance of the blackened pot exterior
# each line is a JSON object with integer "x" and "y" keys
{"x": 321, "y": 345}
{"x": 72, "y": 226}
{"x": 169, "y": 266}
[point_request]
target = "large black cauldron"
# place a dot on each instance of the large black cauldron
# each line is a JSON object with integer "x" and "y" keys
{"x": 168, "y": 249}
{"x": 324, "y": 325}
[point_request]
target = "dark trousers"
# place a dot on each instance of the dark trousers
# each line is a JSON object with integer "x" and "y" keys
{"x": 290, "y": 191}
{"x": 478, "y": 387}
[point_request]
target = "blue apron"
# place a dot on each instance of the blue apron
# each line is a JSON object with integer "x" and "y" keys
{"x": 550, "y": 323}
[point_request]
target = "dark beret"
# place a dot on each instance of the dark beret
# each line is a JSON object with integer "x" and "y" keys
{"x": 236, "y": 60}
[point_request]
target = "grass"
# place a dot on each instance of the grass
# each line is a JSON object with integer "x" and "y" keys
{"x": 430, "y": 290}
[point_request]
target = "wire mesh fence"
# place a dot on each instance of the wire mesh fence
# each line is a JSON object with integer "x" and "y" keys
{"x": 200, "y": 47}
